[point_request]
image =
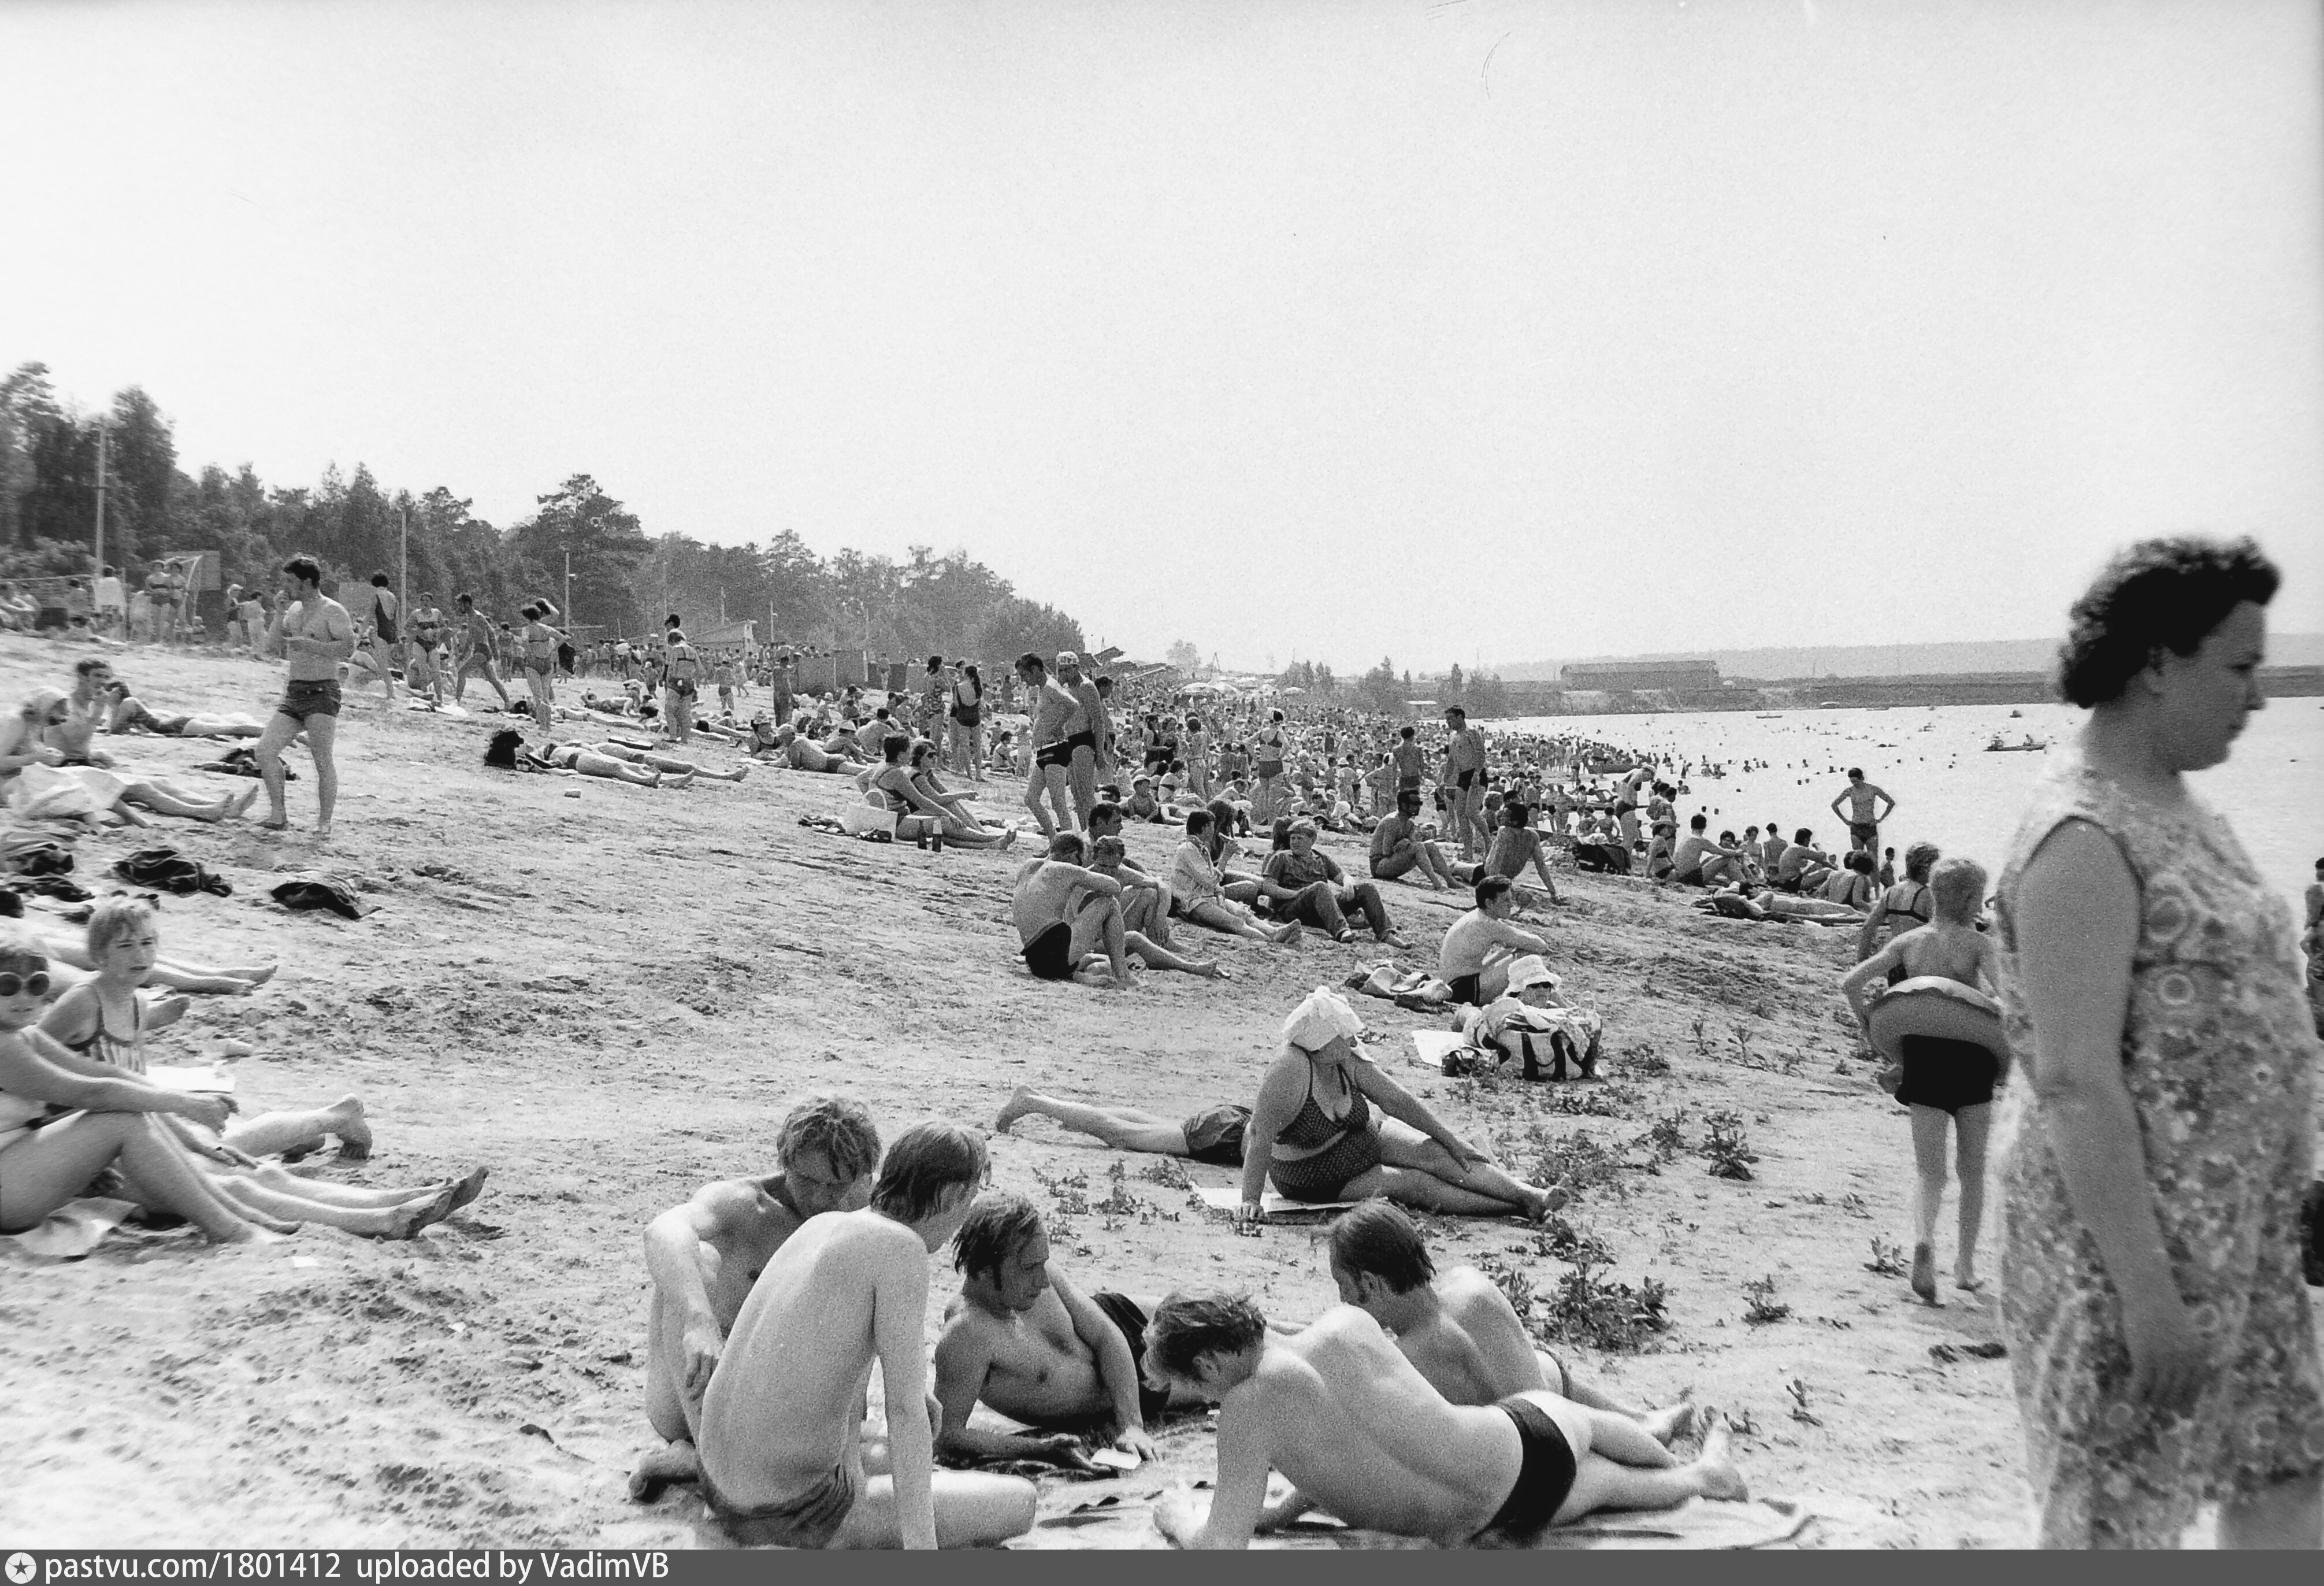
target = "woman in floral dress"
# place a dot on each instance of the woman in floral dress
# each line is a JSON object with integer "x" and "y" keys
{"x": 2151, "y": 1291}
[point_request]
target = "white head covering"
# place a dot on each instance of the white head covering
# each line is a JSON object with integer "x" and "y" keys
{"x": 1322, "y": 1018}
{"x": 1531, "y": 970}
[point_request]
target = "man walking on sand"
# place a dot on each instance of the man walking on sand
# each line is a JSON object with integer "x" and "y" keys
{"x": 472, "y": 651}
{"x": 316, "y": 636}
{"x": 705, "y": 1255}
{"x": 783, "y": 1458}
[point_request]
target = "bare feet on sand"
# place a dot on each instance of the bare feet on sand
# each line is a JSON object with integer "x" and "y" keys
{"x": 1211, "y": 969}
{"x": 1720, "y": 1478}
{"x": 465, "y": 1189}
{"x": 238, "y": 807}
{"x": 672, "y": 1463}
{"x": 350, "y": 1129}
{"x": 1286, "y": 937}
{"x": 410, "y": 1217}
{"x": 1669, "y": 1426}
{"x": 1020, "y": 1103}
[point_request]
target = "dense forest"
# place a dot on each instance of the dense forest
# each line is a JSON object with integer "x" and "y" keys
{"x": 623, "y": 578}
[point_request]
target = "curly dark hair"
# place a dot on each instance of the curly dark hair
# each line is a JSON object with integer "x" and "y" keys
{"x": 2155, "y": 595}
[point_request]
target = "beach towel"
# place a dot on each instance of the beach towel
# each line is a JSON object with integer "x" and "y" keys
{"x": 72, "y": 1230}
{"x": 1271, "y": 1204}
{"x": 170, "y": 870}
{"x": 318, "y": 889}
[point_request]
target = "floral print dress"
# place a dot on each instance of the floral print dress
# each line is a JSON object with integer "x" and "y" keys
{"x": 2220, "y": 1060}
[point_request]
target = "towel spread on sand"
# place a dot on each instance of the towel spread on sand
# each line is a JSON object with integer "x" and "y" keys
{"x": 73, "y": 1230}
{"x": 1270, "y": 1204}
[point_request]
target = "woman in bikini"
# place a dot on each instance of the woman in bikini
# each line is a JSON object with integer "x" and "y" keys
{"x": 103, "y": 1022}
{"x": 965, "y": 734}
{"x": 540, "y": 642}
{"x": 1270, "y": 747}
{"x": 1946, "y": 1081}
{"x": 1313, "y": 1131}
{"x": 1905, "y": 907}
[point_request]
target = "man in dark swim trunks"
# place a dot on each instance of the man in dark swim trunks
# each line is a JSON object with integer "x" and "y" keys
{"x": 1069, "y": 918}
{"x": 1362, "y": 1435}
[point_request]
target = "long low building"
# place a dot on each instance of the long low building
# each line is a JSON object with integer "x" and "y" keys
{"x": 1633, "y": 676}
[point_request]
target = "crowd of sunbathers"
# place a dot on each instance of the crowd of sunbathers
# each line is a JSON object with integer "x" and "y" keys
{"x": 1418, "y": 1405}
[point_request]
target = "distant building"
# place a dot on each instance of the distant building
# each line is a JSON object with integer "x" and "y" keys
{"x": 1617, "y": 676}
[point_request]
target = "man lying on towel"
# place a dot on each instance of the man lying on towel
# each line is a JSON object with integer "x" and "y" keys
{"x": 1023, "y": 1339}
{"x": 1362, "y": 1435}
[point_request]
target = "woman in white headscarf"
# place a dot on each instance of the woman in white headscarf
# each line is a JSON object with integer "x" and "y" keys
{"x": 1313, "y": 1130}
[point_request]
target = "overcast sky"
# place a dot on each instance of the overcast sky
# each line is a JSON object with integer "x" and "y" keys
{"x": 1330, "y": 330}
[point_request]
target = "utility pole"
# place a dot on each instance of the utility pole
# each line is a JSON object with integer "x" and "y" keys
{"x": 569, "y": 589}
{"x": 403, "y": 577}
{"x": 98, "y": 571}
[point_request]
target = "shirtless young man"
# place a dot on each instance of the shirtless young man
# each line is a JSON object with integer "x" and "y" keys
{"x": 1864, "y": 813}
{"x": 1069, "y": 920}
{"x": 1399, "y": 849}
{"x": 1480, "y": 946}
{"x": 1023, "y": 1339}
{"x": 472, "y": 651}
{"x": 1516, "y": 844}
{"x": 1363, "y": 1436}
{"x": 782, "y": 1429}
{"x": 1059, "y": 727}
{"x": 1145, "y": 898}
{"x": 1464, "y": 769}
{"x": 1457, "y": 1327}
{"x": 315, "y": 635}
{"x": 705, "y": 1255}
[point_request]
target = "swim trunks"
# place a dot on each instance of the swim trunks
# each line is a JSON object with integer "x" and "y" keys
{"x": 1059, "y": 755}
{"x": 1469, "y": 990}
{"x": 1946, "y": 1074}
{"x": 1081, "y": 741}
{"x": 809, "y": 1520}
{"x": 305, "y": 697}
{"x": 1865, "y": 834}
{"x": 1127, "y": 1314}
{"x": 1544, "y": 1470}
{"x": 1050, "y": 955}
{"x": 1214, "y": 1135}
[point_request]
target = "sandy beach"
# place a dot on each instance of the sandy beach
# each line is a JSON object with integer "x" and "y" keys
{"x": 611, "y": 994}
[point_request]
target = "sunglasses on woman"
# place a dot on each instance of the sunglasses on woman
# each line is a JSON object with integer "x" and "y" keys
{"x": 35, "y": 984}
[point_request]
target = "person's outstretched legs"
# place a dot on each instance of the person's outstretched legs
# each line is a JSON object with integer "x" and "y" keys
{"x": 1125, "y": 1129}
{"x": 1402, "y": 1146}
{"x": 1161, "y": 958}
{"x": 1601, "y": 1481}
{"x": 299, "y": 1134}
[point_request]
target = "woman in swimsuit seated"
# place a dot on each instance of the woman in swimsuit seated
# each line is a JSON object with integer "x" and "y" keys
{"x": 1944, "y": 1080}
{"x": 1905, "y": 906}
{"x": 1312, "y": 1132}
{"x": 960, "y": 823}
{"x": 129, "y": 714}
{"x": 60, "y": 1127}
{"x": 101, "y": 1025}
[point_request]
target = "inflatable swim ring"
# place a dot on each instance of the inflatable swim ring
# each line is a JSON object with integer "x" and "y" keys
{"x": 1932, "y": 1005}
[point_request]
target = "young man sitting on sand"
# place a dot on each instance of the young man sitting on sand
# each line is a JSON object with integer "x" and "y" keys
{"x": 1399, "y": 849}
{"x": 705, "y": 1255}
{"x": 1701, "y": 862}
{"x": 1459, "y": 1331}
{"x": 1365, "y": 1437}
{"x": 1069, "y": 920}
{"x": 1516, "y": 844}
{"x": 1480, "y": 945}
{"x": 783, "y": 1460}
{"x": 1023, "y": 1339}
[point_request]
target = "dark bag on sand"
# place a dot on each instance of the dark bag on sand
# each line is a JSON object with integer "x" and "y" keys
{"x": 242, "y": 762}
{"x": 45, "y": 858}
{"x": 1602, "y": 857}
{"x": 170, "y": 871}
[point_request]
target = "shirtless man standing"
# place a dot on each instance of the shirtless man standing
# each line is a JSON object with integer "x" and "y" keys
{"x": 1069, "y": 918}
{"x": 1025, "y": 1340}
{"x": 705, "y": 1255}
{"x": 316, "y": 635}
{"x": 1363, "y": 1436}
{"x": 782, "y": 1433}
{"x": 1457, "y": 1327}
{"x": 1089, "y": 744}
{"x": 472, "y": 651}
{"x": 1058, "y": 718}
{"x": 1864, "y": 813}
{"x": 1464, "y": 769}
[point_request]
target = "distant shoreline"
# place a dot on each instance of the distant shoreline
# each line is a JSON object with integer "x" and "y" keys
{"x": 1846, "y": 693}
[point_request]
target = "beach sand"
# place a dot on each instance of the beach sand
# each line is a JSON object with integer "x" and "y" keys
{"x": 613, "y": 997}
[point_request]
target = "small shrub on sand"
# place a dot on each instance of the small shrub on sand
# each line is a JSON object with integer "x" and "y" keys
{"x": 1559, "y": 1239}
{"x": 1728, "y": 1147}
{"x": 1644, "y": 1060}
{"x": 1600, "y": 1313}
{"x": 1576, "y": 1162}
{"x": 1166, "y": 1171}
{"x": 1763, "y": 1306}
{"x": 1887, "y": 1258}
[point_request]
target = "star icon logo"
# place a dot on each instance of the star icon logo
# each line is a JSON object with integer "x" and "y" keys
{"x": 21, "y": 1569}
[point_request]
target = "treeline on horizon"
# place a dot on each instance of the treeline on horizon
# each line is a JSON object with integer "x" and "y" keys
{"x": 624, "y": 579}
